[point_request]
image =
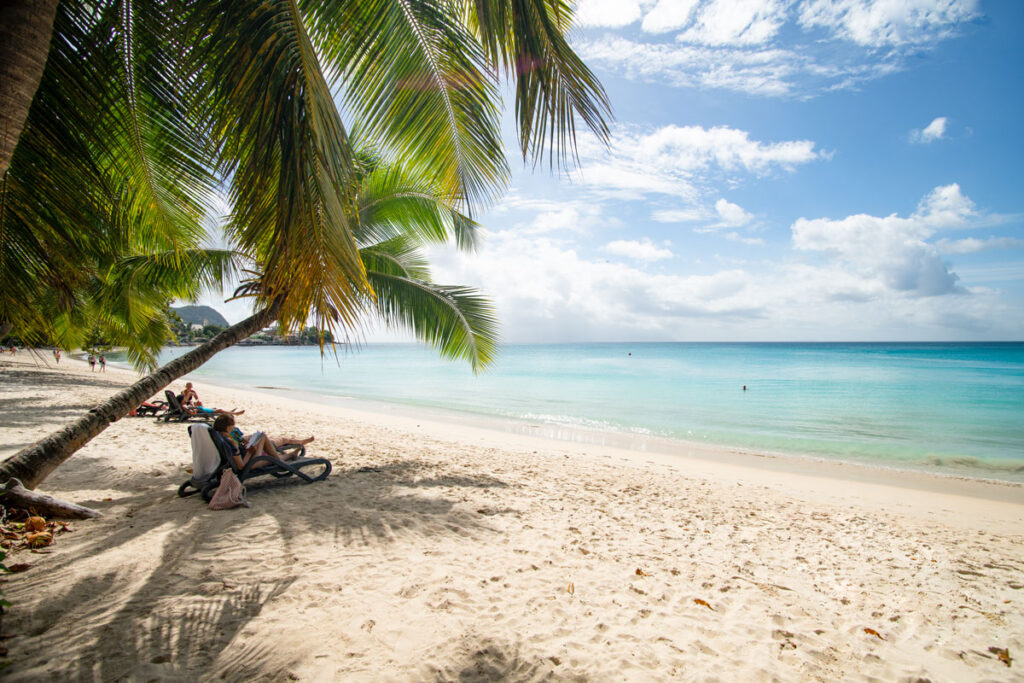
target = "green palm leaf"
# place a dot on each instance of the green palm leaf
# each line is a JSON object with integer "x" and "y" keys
{"x": 456, "y": 321}
{"x": 553, "y": 85}
{"x": 416, "y": 79}
{"x": 287, "y": 154}
{"x": 395, "y": 201}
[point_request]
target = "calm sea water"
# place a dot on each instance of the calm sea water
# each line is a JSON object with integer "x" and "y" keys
{"x": 955, "y": 408}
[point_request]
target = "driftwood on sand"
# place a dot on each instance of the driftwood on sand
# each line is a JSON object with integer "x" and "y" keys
{"x": 16, "y": 495}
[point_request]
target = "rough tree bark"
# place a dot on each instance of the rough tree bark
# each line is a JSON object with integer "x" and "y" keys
{"x": 26, "y": 28}
{"x": 34, "y": 463}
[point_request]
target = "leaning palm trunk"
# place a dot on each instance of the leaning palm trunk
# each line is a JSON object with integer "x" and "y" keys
{"x": 34, "y": 463}
{"x": 26, "y": 27}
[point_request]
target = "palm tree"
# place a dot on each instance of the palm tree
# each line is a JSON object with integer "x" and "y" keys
{"x": 152, "y": 107}
{"x": 148, "y": 106}
{"x": 399, "y": 212}
{"x": 25, "y": 30}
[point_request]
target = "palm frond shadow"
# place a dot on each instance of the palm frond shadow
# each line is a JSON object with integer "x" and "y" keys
{"x": 493, "y": 660}
{"x": 375, "y": 505}
{"x": 178, "y": 621}
{"x": 201, "y": 593}
{"x": 181, "y": 639}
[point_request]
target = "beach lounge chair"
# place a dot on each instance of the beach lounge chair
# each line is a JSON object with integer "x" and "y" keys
{"x": 212, "y": 454}
{"x": 149, "y": 409}
{"x": 177, "y": 413}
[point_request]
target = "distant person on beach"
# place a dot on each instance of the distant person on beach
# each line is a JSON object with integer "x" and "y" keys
{"x": 189, "y": 397}
{"x": 103, "y": 363}
{"x": 92, "y": 362}
{"x": 254, "y": 444}
{"x": 744, "y": 387}
{"x": 56, "y": 354}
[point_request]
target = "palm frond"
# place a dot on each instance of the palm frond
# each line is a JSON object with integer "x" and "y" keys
{"x": 553, "y": 85}
{"x": 456, "y": 321}
{"x": 399, "y": 256}
{"x": 417, "y": 80}
{"x": 394, "y": 201}
{"x": 107, "y": 165}
{"x": 287, "y": 154}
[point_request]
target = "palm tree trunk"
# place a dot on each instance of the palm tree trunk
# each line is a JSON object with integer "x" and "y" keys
{"x": 26, "y": 27}
{"x": 34, "y": 463}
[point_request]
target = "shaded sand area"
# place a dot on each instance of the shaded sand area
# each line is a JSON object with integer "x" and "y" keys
{"x": 468, "y": 554}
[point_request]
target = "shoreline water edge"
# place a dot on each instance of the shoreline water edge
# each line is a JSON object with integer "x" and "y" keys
{"x": 446, "y": 551}
{"x": 675, "y": 402}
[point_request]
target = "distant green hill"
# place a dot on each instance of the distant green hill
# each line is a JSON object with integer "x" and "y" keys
{"x": 200, "y": 315}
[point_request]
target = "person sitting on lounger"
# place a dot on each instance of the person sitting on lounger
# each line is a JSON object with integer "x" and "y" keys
{"x": 254, "y": 444}
{"x": 189, "y": 397}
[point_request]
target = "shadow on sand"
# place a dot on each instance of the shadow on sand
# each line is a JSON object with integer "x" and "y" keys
{"x": 177, "y": 622}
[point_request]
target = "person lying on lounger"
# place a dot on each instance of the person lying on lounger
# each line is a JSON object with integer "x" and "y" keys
{"x": 147, "y": 408}
{"x": 254, "y": 444}
{"x": 203, "y": 410}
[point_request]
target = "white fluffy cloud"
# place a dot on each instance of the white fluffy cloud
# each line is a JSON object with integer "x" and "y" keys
{"x": 946, "y": 207}
{"x": 737, "y": 22}
{"x": 731, "y": 215}
{"x": 610, "y": 13}
{"x": 675, "y": 160}
{"x": 936, "y": 130}
{"x": 639, "y": 250}
{"x": 691, "y": 148}
{"x": 733, "y": 44}
{"x": 669, "y": 15}
{"x": 768, "y": 72}
{"x": 546, "y": 290}
{"x": 678, "y": 166}
{"x": 971, "y": 245}
{"x": 893, "y": 250}
{"x": 875, "y": 23}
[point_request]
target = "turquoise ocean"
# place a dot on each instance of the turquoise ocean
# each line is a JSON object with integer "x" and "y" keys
{"x": 952, "y": 408}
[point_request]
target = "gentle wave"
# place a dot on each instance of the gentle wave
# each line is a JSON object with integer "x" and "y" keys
{"x": 942, "y": 407}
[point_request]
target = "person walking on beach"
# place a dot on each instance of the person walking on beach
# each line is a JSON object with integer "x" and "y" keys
{"x": 56, "y": 354}
{"x": 103, "y": 363}
{"x": 92, "y": 362}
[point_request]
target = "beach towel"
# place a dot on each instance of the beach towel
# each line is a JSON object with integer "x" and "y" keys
{"x": 229, "y": 494}
{"x": 205, "y": 458}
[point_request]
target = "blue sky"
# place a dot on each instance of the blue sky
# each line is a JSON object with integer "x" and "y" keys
{"x": 779, "y": 170}
{"x": 845, "y": 170}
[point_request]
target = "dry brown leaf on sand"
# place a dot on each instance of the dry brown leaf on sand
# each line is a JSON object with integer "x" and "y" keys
{"x": 703, "y": 603}
{"x": 35, "y": 524}
{"x": 20, "y": 567}
{"x": 1003, "y": 653}
{"x": 641, "y": 572}
{"x": 873, "y": 632}
{"x": 571, "y": 590}
{"x": 38, "y": 539}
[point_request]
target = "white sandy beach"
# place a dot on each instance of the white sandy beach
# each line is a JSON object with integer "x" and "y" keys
{"x": 475, "y": 554}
